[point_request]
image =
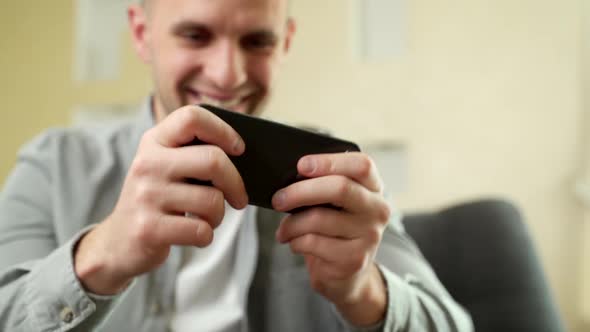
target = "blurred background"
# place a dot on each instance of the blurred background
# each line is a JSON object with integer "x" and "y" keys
{"x": 478, "y": 99}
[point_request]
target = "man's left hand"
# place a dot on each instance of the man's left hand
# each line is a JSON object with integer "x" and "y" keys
{"x": 339, "y": 244}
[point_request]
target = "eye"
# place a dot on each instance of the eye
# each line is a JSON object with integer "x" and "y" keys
{"x": 196, "y": 36}
{"x": 259, "y": 41}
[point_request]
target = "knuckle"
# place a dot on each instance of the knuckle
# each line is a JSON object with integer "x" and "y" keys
{"x": 142, "y": 166}
{"x": 379, "y": 186}
{"x": 189, "y": 114}
{"x": 304, "y": 244}
{"x": 315, "y": 215}
{"x": 216, "y": 199}
{"x": 215, "y": 158}
{"x": 188, "y": 117}
{"x": 142, "y": 229}
{"x": 344, "y": 187}
{"x": 310, "y": 241}
{"x": 147, "y": 136}
{"x": 384, "y": 213}
{"x": 365, "y": 166}
{"x": 216, "y": 207}
{"x": 146, "y": 194}
{"x": 327, "y": 165}
{"x": 374, "y": 235}
{"x": 204, "y": 235}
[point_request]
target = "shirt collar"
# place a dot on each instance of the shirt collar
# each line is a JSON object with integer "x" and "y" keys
{"x": 143, "y": 121}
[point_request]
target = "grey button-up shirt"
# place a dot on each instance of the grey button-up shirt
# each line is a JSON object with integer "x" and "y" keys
{"x": 66, "y": 180}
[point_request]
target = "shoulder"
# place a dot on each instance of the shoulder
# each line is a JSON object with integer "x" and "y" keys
{"x": 81, "y": 146}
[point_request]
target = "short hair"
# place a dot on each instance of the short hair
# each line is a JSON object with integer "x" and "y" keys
{"x": 289, "y": 3}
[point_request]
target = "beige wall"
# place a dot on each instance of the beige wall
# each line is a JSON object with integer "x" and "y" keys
{"x": 36, "y": 87}
{"x": 486, "y": 98}
{"x": 585, "y": 88}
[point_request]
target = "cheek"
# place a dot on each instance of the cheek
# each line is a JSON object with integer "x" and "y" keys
{"x": 176, "y": 65}
{"x": 263, "y": 72}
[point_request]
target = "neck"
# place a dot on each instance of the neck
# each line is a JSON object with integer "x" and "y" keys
{"x": 157, "y": 109}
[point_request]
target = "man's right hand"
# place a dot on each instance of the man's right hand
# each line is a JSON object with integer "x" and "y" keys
{"x": 153, "y": 209}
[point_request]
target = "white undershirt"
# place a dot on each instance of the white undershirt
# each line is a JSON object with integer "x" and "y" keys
{"x": 209, "y": 294}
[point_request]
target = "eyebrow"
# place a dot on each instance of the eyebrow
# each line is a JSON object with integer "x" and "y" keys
{"x": 187, "y": 25}
{"x": 264, "y": 33}
{"x": 193, "y": 25}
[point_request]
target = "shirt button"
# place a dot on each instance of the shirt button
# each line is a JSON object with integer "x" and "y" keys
{"x": 155, "y": 308}
{"x": 66, "y": 315}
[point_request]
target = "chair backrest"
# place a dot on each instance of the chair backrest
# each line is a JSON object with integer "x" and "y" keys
{"x": 482, "y": 253}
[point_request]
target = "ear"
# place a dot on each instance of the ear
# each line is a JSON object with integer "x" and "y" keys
{"x": 291, "y": 28}
{"x": 137, "y": 19}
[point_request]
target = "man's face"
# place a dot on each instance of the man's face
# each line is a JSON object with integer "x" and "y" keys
{"x": 220, "y": 52}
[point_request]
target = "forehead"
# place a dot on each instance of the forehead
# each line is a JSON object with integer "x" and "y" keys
{"x": 223, "y": 14}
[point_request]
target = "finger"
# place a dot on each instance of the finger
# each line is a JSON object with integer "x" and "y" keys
{"x": 321, "y": 221}
{"x": 205, "y": 202}
{"x": 184, "y": 231}
{"x": 208, "y": 163}
{"x": 355, "y": 165}
{"x": 323, "y": 273}
{"x": 309, "y": 263}
{"x": 345, "y": 254}
{"x": 182, "y": 126}
{"x": 333, "y": 189}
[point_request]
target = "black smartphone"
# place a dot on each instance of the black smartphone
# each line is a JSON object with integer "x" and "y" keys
{"x": 269, "y": 162}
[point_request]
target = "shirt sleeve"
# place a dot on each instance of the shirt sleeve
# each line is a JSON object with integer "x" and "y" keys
{"x": 416, "y": 299}
{"x": 39, "y": 290}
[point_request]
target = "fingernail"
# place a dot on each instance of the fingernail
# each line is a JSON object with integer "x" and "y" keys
{"x": 308, "y": 165}
{"x": 279, "y": 199}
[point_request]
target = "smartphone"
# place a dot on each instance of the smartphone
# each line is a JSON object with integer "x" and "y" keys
{"x": 269, "y": 162}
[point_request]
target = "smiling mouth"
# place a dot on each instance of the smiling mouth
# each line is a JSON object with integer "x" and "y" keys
{"x": 196, "y": 97}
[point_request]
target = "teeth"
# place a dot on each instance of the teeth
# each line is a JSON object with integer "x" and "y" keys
{"x": 220, "y": 103}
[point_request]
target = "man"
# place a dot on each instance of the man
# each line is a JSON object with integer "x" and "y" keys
{"x": 98, "y": 228}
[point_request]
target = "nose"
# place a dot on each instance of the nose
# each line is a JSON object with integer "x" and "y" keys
{"x": 226, "y": 66}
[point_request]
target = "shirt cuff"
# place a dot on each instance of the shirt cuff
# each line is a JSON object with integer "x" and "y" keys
{"x": 371, "y": 328}
{"x": 353, "y": 328}
{"x": 399, "y": 295}
{"x": 398, "y": 305}
{"x": 56, "y": 298}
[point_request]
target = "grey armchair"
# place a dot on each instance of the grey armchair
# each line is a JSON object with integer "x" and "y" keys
{"x": 482, "y": 253}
